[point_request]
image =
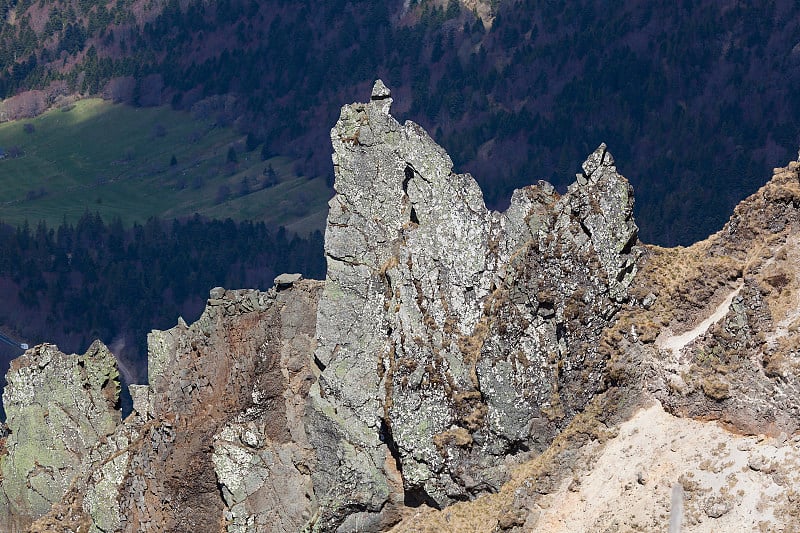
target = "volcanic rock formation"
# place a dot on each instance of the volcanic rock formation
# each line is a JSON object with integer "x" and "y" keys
{"x": 452, "y": 337}
{"x": 458, "y": 369}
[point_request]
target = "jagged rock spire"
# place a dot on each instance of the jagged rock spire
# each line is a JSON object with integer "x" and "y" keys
{"x": 462, "y": 310}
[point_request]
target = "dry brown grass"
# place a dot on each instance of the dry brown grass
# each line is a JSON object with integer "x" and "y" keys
{"x": 715, "y": 388}
{"x": 686, "y": 280}
{"x": 779, "y": 280}
{"x": 553, "y": 466}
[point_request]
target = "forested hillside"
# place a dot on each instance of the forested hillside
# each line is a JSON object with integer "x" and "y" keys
{"x": 695, "y": 98}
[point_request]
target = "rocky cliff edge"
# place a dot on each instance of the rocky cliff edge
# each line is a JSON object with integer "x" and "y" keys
{"x": 459, "y": 369}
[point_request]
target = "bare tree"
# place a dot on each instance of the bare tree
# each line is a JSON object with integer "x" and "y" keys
{"x": 24, "y": 105}
{"x": 56, "y": 91}
{"x": 120, "y": 90}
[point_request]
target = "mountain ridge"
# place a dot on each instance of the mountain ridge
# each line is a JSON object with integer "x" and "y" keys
{"x": 455, "y": 357}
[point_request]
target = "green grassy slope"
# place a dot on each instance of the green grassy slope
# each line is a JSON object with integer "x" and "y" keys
{"x": 115, "y": 159}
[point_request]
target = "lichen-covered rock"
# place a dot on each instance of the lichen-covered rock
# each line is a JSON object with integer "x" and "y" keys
{"x": 216, "y": 441}
{"x": 448, "y": 342}
{"x": 450, "y": 335}
{"x": 58, "y": 408}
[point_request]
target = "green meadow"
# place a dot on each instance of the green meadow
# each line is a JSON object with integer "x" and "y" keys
{"x": 118, "y": 160}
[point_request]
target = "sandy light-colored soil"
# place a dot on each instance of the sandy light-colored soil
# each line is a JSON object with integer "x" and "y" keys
{"x": 725, "y": 482}
{"x": 729, "y": 482}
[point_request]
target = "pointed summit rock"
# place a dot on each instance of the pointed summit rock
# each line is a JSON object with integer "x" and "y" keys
{"x": 448, "y": 343}
{"x": 380, "y": 91}
{"x": 483, "y": 326}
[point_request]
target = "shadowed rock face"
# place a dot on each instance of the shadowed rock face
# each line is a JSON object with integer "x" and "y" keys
{"x": 451, "y": 336}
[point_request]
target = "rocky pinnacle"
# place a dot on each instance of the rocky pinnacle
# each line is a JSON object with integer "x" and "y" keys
{"x": 451, "y": 336}
{"x": 447, "y": 343}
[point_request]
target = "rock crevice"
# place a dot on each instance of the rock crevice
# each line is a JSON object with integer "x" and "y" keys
{"x": 492, "y": 318}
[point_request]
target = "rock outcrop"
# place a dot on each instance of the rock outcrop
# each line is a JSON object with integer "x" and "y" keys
{"x": 458, "y": 369}
{"x": 216, "y": 440}
{"x": 704, "y": 382}
{"x": 58, "y": 408}
{"x": 451, "y": 336}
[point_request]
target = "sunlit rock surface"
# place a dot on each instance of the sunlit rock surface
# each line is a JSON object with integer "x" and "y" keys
{"x": 58, "y": 408}
{"x": 451, "y": 336}
{"x": 458, "y": 370}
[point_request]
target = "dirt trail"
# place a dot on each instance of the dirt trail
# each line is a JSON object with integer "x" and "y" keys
{"x": 676, "y": 343}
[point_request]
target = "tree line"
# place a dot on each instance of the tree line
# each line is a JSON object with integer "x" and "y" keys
{"x": 97, "y": 279}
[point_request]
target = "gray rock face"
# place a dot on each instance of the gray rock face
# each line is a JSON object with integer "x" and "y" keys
{"x": 447, "y": 342}
{"x": 449, "y": 335}
{"x": 58, "y": 407}
{"x": 287, "y": 280}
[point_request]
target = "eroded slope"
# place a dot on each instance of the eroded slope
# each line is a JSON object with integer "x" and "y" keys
{"x": 711, "y": 335}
